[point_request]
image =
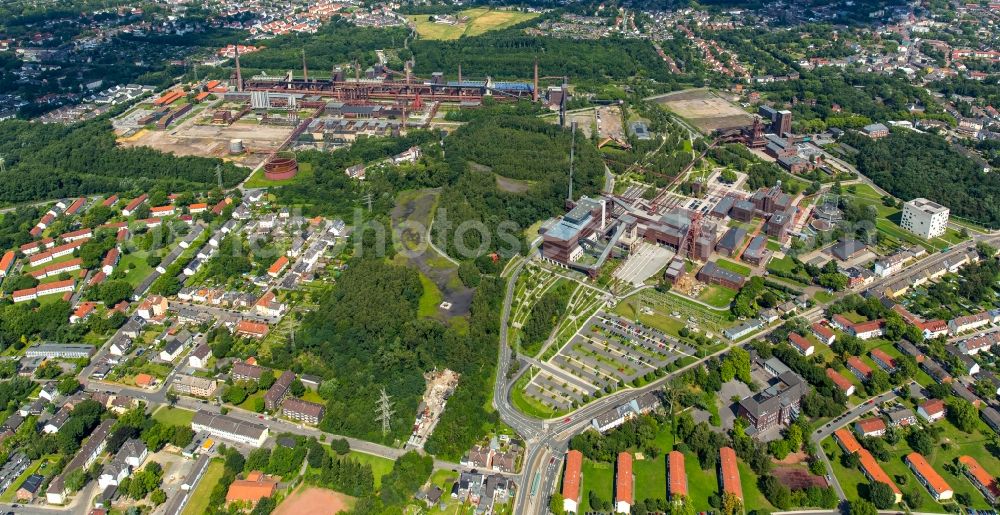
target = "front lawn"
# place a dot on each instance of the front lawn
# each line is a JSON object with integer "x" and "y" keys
{"x": 173, "y": 416}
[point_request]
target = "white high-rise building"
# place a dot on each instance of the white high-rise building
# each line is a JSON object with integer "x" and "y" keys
{"x": 925, "y": 218}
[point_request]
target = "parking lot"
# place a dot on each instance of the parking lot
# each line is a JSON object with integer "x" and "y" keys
{"x": 608, "y": 351}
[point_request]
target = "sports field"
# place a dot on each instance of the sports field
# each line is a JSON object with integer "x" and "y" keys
{"x": 470, "y": 22}
{"x": 314, "y": 501}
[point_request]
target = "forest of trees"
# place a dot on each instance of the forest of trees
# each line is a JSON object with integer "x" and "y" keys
{"x": 335, "y": 43}
{"x": 52, "y": 160}
{"x": 908, "y": 164}
{"x": 510, "y": 54}
{"x": 531, "y": 152}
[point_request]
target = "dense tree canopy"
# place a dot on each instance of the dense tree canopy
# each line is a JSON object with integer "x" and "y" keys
{"x": 51, "y": 160}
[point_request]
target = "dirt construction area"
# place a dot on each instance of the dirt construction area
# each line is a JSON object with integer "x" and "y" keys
{"x": 189, "y": 139}
{"x": 314, "y": 501}
{"x": 705, "y": 109}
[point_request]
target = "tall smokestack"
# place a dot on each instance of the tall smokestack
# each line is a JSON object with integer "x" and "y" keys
{"x": 239, "y": 74}
{"x": 459, "y": 72}
{"x": 572, "y": 152}
{"x": 305, "y": 70}
{"x": 534, "y": 91}
{"x": 357, "y": 70}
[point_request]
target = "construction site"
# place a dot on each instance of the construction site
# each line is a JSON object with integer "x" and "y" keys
{"x": 440, "y": 385}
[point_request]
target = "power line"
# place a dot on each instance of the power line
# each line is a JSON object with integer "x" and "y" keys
{"x": 385, "y": 411}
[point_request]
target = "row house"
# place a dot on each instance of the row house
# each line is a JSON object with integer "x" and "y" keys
{"x": 76, "y": 235}
{"x": 983, "y": 480}
{"x": 936, "y": 371}
{"x": 55, "y": 252}
{"x": 801, "y": 344}
{"x": 55, "y": 269}
{"x": 823, "y": 333}
{"x": 859, "y": 368}
{"x": 134, "y": 204}
{"x": 883, "y": 360}
{"x": 842, "y": 383}
{"x": 30, "y": 249}
{"x": 43, "y": 290}
{"x": 968, "y": 323}
{"x": 976, "y": 344}
{"x": 935, "y": 484}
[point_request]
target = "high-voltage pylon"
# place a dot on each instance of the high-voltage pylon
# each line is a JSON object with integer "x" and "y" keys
{"x": 385, "y": 411}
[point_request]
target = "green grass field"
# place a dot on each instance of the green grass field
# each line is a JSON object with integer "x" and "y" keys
{"x": 650, "y": 477}
{"x": 380, "y": 466}
{"x": 480, "y": 20}
{"x": 431, "y": 298}
{"x": 702, "y": 484}
{"x": 173, "y": 416}
{"x": 599, "y": 477}
{"x": 200, "y": 497}
{"x": 732, "y": 266}
{"x": 141, "y": 269}
{"x": 752, "y": 498}
{"x": 718, "y": 296}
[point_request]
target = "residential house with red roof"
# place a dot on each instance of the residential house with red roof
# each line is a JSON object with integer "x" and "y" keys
{"x": 935, "y": 484}
{"x": 843, "y": 384}
{"x": 932, "y": 410}
{"x": 801, "y": 344}
{"x": 868, "y": 330}
{"x": 883, "y": 360}
{"x": 874, "y": 472}
{"x": 983, "y": 480}
{"x": 859, "y": 368}
{"x": 873, "y": 426}
{"x": 6, "y": 262}
{"x": 134, "y": 204}
{"x": 624, "y": 483}
{"x": 823, "y": 333}
{"x": 110, "y": 260}
{"x": 278, "y": 266}
{"x": 846, "y": 440}
{"x": 252, "y": 329}
{"x": 729, "y": 473}
{"x": 677, "y": 483}
{"x": 571, "y": 481}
